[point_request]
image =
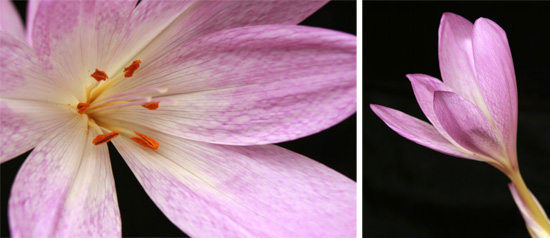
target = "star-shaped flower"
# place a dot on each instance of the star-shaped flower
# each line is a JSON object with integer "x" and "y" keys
{"x": 191, "y": 93}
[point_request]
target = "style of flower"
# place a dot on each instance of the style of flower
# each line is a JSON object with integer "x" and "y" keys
{"x": 191, "y": 93}
{"x": 474, "y": 110}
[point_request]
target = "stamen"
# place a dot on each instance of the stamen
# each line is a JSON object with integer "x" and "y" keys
{"x": 122, "y": 99}
{"x": 82, "y": 107}
{"x": 104, "y": 138}
{"x": 151, "y": 105}
{"x": 129, "y": 71}
{"x": 145, "y": 141}
{"x": 92, "y": 123}
{"x": 99, "y": 75}
{"x": 139, "y": 90}
{"x": 121, "y": 104}
{"x": 174, "y": 102}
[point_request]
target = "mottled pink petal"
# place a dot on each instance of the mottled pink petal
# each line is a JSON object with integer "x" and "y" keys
{"x": 72, "y": 40}
{"x": 24, "y": 123}
{"x": 456, "y": 60}
{"x": 424, "y": 87}
{"x": 535, "y": 229}
{"x": 211, "y": 190}
{"x": 65, "y": 188}
{"x": 418, "y": 131}
{"x": 497, "y": 80}
{"x": 165, "y": 25}
{"x": 251, "y": 85}
{"x": 10, "y": 21}
{"x": 20, "y": 74}
{"x": 467, "y": 125}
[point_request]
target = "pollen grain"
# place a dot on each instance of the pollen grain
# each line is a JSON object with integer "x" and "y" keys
{"x": 145, "y": 141}
{"x": 82, "y": 107}
{"x": 99, "y": 75}
{"x": 104, "y": 138}
{"x": 151, "y": 105}
{"x": 129, "y": 71}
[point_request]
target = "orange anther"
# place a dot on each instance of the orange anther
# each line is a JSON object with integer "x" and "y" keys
{"x": 82, "y": 107}
{"x": 104, "y": 138}
{"x": 151, "y": 105}
{"x": 145, "y": 141}
{"x": 99, "y": 75}
{"x": 129, "y": 71}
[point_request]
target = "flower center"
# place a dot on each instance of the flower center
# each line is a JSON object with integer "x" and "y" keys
{"x": 97, "y": 104}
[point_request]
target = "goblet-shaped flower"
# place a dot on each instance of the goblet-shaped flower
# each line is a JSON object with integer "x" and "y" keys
{"x": 474, "y": 110}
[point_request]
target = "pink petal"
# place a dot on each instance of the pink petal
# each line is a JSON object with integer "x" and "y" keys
{"x": 531, "y": 223}
{"x": 24, "y": 123}
{"x": 65, "y": 188}
{"x": 156, "y": 27}
{"x": 10, "y": 21}
{"x": 467, "y": 125}
{"x": 251, "y": 85}
{"x": 497, "y": 80}
{"x": 74, "y": 39}
{"x": 456, "y": 59}
{"x": 418, "y": 131}
{"x": 21, "y": 77}
{"x": 210, "y": 190}
{"x": 424, "y": 87}
{"x": 32, "y": 7}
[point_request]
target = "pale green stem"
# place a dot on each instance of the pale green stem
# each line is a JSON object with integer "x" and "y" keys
{"x": 536, "y": 211}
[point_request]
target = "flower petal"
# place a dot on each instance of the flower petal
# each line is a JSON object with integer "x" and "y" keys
{"x": 418, "y": 131}
{"x": 211, "y": 190}
{"x": 10, "y": 21}
{"x": 424, "y": 87}
{"x": 32, "y": 7}
{"x": 20, "y": 74}
{"x": 497, "y": 80}
{"x": 456, "y": 59}
{"x": 65, "y": 188}
{"x": 251, "y": 85}
{"x": 533, "y": 226}
{"x": 467, "y": 125}
{"x": 23, "y": 124}
{"x": 74, "y": 39}
{"x": 157, "y": 27}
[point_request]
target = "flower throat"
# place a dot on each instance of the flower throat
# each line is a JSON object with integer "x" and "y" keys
{"x": 94, "y": 106}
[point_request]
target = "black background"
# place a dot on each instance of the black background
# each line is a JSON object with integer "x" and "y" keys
{"x": 412, "y": 191}
{"x": 335, "y": 147}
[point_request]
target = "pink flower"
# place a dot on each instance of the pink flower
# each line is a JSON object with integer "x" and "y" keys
{"x": 474, "y": 110}
{"x": 226, "y": 84}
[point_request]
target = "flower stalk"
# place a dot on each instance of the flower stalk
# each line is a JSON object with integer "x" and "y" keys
{"x": 531, "y": 206}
